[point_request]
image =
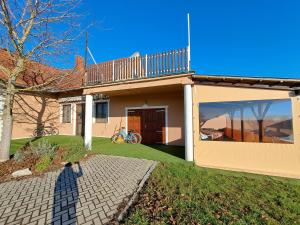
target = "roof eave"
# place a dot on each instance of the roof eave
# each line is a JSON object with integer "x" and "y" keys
{"x": 249, "y": 82}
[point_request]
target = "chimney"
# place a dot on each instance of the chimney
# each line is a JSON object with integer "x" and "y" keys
{"x": 79, "y": 63}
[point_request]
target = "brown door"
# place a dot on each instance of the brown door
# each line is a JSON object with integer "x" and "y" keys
{"x": 80, "y": 115}
{"x": 150, "y": 123}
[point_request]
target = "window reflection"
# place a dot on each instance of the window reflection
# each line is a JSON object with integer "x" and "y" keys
{"x": 268, "y": 121}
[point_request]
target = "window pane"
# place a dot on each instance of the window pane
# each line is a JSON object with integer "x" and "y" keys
{"x": 250, "y": 126}
{"x": 268, "y": 121}
{"x": 278, "y": 126}
{"x": 101, "y": 111}
{"x": 66, "y": 114}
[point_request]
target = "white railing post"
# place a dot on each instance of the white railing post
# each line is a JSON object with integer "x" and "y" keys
{"x": 113, "y": 70}
{"x": 135, "y": 70}
{"x": 146, "y": 65}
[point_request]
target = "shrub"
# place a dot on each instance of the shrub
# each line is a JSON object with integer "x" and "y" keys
{"x": 75, "y": 153}
{"x": 43, "y": 163}
{"x": 44, "y": 148}
{"x": 19, "y": 156}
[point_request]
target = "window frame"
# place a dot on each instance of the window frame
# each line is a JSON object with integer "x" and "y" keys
{"x": 62, "y": 113}
{"x": 263, "y": 128}
{"x": 101, "y": 120}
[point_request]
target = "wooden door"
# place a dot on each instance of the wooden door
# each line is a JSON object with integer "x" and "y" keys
{"x": 150, "y": 123}
{"x": 134, "y": 120}
{"x": 80, "y": 116}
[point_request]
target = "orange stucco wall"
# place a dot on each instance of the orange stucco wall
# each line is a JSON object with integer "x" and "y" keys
{"x": 173, "y": 100}
{"x": 68, "y": 128}
{"x": 117, "y": 116}
{"x": 265, "y": 158}
{"x": 29, "y": 110}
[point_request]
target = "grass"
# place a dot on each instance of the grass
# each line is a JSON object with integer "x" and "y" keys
{"x": 194, "y": 195}
{"x": 17, "y": 144}
{"x": 180, "y": 193}
{"x": 152, "y": 152}
{"x": 104, "y": 146}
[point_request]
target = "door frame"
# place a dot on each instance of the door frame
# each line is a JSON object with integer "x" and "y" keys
{"x": 150, "y": 107}
{"x": 75, "y": 117}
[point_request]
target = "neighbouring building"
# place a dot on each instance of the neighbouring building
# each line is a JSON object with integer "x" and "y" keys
{"x": 1, "y": 112}
{"x": 228, "y": 122}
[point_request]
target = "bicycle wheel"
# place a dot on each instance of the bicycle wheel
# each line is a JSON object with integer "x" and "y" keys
{"x": 54, "y": 131}
{"x": 112, "y": 137}
{"x": 132, "y": 139}
{"x": 35, "y": 133}
{"x": 117, "y": 139}
{"x": 39, "y": 132}
{"x": 139, "y": 137}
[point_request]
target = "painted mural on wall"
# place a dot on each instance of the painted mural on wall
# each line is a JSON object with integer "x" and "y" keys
{"x": 265, "y": 121}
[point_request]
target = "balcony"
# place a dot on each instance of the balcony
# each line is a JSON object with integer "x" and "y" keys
{"x": 139, "y": 67}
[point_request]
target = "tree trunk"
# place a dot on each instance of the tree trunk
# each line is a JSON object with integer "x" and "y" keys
{"x": 260, "y": 130}
{"x": 7, "y": 127}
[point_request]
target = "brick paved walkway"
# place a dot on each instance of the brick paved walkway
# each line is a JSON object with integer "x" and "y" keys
{"x": 85, "y": 194}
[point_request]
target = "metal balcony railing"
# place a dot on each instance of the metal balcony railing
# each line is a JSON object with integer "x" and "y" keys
{"x": 139, "y": 67}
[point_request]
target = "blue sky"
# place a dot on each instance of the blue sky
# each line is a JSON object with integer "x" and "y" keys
{"x": 232, "y": 37}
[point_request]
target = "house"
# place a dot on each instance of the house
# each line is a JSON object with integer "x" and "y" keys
{"x": 228, "y": 122}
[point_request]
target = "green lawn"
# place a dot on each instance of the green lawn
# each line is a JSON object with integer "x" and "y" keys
{"x": 181, "y": 192}
{"x": 104, "y": 146}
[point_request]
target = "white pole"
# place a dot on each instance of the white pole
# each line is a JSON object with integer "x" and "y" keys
{"x": 188, "y": 122}
{"x": 189, "y": 43}
{"x": 88, "y": 122}
{"x": 91, "y": 55}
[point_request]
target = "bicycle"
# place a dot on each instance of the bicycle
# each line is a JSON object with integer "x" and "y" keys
{"x": 45, "y": 130}
{"x": 131, "y": 137}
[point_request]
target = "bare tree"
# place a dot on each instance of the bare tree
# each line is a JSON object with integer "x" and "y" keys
{"x": 32, "y": 30}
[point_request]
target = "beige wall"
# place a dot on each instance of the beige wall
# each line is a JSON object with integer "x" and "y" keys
{"x": 68, "y": 128}
{"x": 1, "y": 112}
{"x": 266, "y": 158}
{"x": 117, "y": 118}
{"x": 29, "y": 110}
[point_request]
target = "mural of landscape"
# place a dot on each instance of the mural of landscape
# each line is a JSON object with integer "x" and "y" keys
{"x": 267, "y": 121}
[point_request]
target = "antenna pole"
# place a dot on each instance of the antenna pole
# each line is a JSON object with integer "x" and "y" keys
{"x": 92, "y": 55}
{"x": 189, "y": 43}
{"x": 86, "y": 49}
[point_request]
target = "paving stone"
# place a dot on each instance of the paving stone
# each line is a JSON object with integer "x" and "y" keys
{"x": 91, "y": 195}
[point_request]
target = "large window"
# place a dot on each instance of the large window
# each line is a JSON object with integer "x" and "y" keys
{"x": 66, "y": 113}
{"x": 268, "y": 121}
{"x": 101, "y": 112}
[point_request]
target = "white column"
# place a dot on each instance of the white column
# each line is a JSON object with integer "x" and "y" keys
{"x": 188, "y": 122}
{"x": 88, "y": 121}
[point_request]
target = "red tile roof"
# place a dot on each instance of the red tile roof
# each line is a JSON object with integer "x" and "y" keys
{"x": 37, "y": 74}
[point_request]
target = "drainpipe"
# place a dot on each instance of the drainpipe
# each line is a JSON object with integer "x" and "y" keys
{"x": 88, "y": 122}
{"x": 188, "y": 122}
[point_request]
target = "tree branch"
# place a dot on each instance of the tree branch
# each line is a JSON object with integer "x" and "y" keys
{"x": 8, "y": 24}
